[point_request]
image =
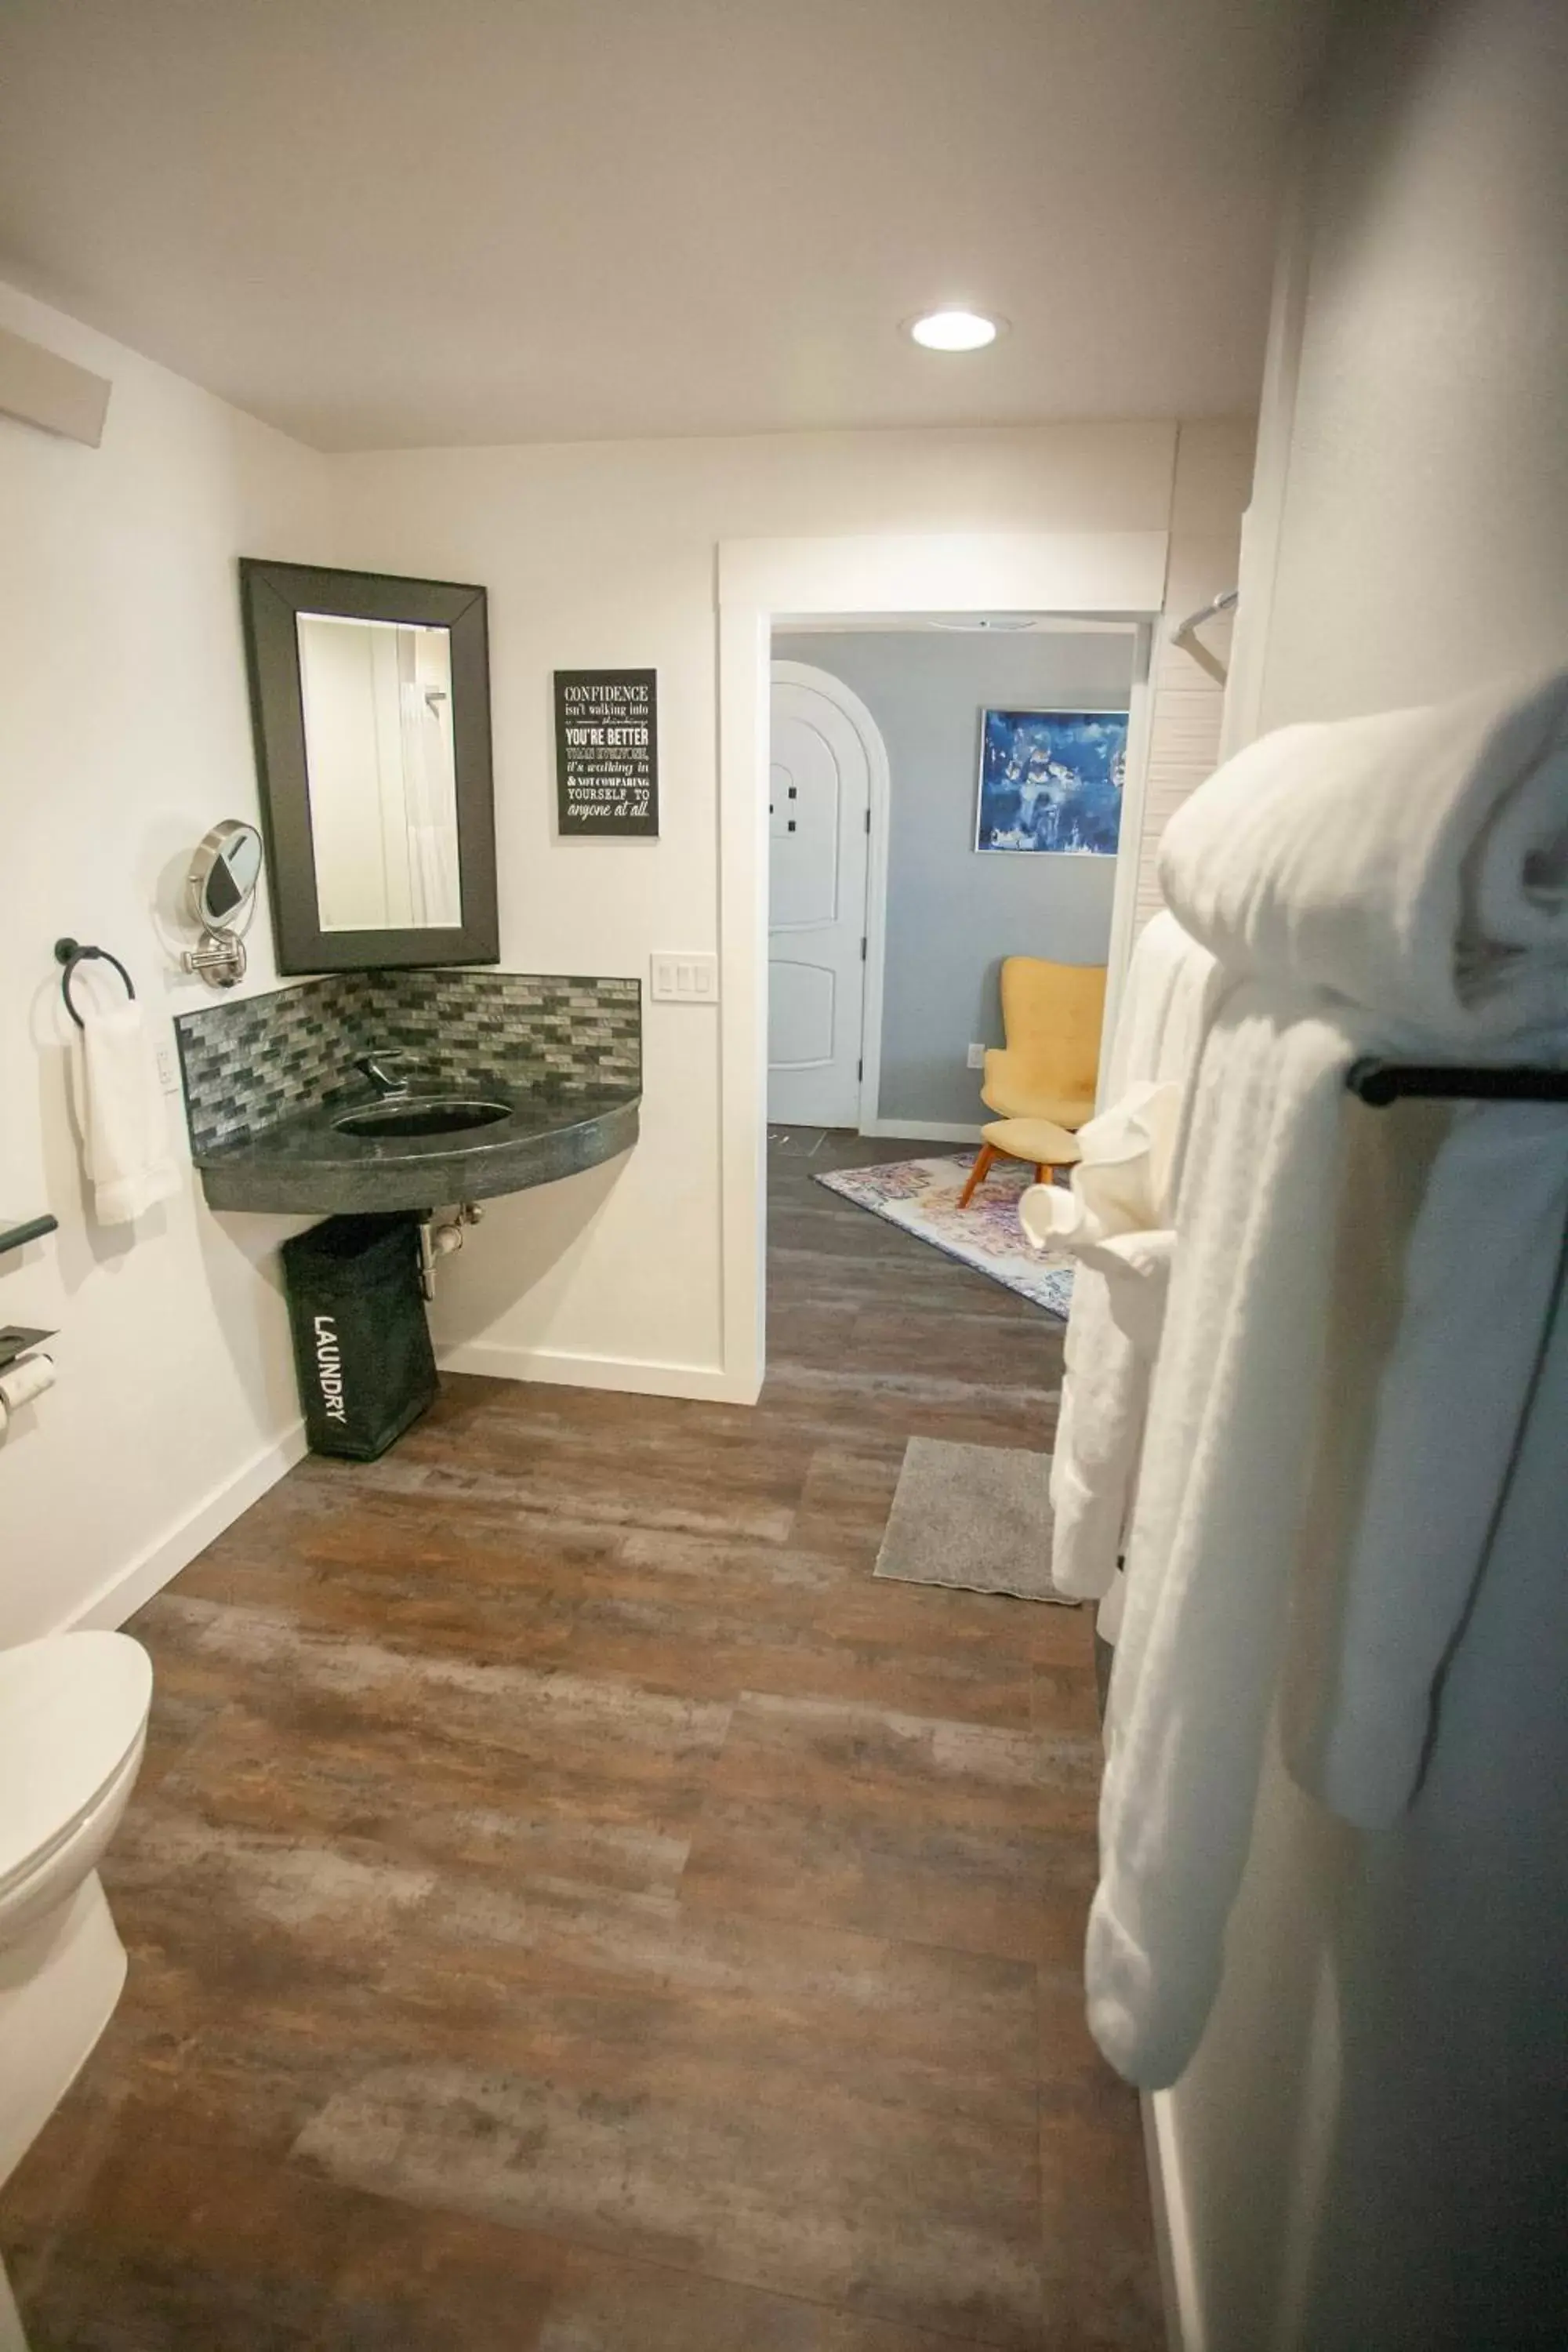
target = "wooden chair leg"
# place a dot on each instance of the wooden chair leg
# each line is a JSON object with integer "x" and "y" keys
{"x": 984, "y": 1162}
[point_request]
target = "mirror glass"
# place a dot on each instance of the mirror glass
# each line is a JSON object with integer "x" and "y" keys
{"x": 370, "y": 696}
{"x": 381, "y": 772}
{"x": 225, "y": 871}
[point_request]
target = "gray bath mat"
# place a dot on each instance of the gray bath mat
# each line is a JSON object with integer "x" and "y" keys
{"x": 978, "y": 1516}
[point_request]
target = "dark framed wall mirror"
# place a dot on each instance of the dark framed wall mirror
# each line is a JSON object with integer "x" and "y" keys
{"x": 370, "y": 696}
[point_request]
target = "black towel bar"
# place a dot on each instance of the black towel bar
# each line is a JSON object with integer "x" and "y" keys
{"x": 1381, "y": 1083}
{"x": 69, "y": 953}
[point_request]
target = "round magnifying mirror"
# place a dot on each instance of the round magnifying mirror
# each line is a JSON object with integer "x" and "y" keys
{"x": 224, "y": 873}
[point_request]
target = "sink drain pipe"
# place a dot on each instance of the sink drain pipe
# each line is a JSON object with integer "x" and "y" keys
{"x": 438, "y": 1242}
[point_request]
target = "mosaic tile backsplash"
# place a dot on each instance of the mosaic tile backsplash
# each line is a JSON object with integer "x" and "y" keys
{"x": 249, "y": 1064}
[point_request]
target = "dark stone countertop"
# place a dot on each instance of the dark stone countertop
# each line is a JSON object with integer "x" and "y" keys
{"x": 306, "y": 1165}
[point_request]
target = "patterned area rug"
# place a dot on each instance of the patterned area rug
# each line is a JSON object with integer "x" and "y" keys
{"x": 922, "y": 1195}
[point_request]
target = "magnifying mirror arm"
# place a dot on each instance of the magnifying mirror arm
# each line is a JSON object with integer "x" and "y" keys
{"x": 220, "y": 958}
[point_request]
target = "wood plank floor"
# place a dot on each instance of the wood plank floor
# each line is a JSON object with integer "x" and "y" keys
{"x": 573, "y": 1909}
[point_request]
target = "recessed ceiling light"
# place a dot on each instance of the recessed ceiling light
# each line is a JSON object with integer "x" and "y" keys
{"x": 954, "y": 331}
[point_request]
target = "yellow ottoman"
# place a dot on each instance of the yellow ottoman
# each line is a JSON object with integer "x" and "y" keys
{"x": 1050, "y": 1147}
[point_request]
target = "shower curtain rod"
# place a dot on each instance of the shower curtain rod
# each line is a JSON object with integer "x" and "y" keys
{"x": 1225, "y": 602}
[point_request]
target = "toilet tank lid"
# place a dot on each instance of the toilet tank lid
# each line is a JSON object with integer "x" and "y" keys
{"x": 72, "y": 1708}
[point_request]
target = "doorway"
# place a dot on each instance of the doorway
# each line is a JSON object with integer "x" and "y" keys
{"x": 895, "y": 888}
{"x": 869, "y": 583}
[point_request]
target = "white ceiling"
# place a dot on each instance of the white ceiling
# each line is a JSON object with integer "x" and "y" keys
{"x": 386, "y": 222}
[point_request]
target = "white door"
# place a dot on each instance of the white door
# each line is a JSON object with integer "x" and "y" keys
{"x": 819, "y": 817}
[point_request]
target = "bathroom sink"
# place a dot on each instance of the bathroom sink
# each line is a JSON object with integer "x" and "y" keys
{"x": 422, "y": 1115}
{"x": 475, "y": 1139}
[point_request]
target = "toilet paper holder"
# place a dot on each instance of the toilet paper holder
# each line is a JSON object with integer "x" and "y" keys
{"x": 17, "y": 1341}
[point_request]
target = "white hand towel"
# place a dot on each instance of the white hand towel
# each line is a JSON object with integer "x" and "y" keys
{"x": 124, "y": 1117}
{"x": 1121, "y": 1179}
{"x": 1395, "y": 885}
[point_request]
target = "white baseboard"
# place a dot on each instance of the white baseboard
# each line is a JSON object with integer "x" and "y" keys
{"x": 1185, "y": 2330}
{"x": 635, "y": 1374}
{"x": 148, "y": 1573}
{"x": 922, "y": 1131}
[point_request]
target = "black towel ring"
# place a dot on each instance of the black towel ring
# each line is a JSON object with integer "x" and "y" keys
{"x": 69, "y": 953}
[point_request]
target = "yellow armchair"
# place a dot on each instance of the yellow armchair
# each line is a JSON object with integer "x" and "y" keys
{"x": 1048, "y": 1070}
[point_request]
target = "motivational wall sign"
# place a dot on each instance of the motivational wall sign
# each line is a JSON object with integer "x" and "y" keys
{"x": 606, "y": 752}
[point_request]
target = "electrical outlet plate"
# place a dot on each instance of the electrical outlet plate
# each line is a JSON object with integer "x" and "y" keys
{"x": 684, "y": 978}
{"x": 168, "y": 1070}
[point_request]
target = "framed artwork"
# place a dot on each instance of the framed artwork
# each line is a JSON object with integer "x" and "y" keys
{"x": 1050, "y": 781}
{"x": 606, "y": 753}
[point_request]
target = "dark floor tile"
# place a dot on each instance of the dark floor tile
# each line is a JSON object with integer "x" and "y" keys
{"x": 421, "y": 1763}
{"x": 411, "y": 2281}
{"x": 186, "y": 2246}
{"x": 572, "y": 1906}
{"x": 415, "y": 2281}
{"x": 767, "y": 1627}
{"x": 944, "y": 1833}
{"x": 928, "y": 2221}
{"x": 519, "y": 1976}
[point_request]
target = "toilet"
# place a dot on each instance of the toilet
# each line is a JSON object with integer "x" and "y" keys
{"x": 73, "y": 1723}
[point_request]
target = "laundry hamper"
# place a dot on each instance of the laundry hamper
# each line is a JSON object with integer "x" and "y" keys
{"x": 361, "y": 1345}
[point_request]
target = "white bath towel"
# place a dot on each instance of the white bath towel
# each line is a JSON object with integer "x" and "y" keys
{"x": 1394, "y": 884}
{"x": 1413, "y": 1459}
{"x": 1118, "y": 1296}
{"x": 124, "y": 1116}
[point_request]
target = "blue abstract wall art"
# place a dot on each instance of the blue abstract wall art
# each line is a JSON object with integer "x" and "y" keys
{"x": 1050, "y": 781}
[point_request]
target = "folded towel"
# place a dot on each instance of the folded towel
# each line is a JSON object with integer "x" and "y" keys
{"x": 1415, "y": 862}
{"x": 1394, "y": 885}
{"x": 1119, "y": 1289}
{"x": 124, "y": 1118}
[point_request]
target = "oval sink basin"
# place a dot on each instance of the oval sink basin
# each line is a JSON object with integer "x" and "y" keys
{"x": 422, "y": 1115}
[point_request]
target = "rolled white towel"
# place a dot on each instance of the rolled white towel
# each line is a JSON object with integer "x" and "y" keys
{"x": 1415, "y": 862}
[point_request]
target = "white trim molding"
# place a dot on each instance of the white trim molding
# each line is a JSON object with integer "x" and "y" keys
{"x": 1077, "y": 572}
{"x": 1130, "y": 836}
{"x": 1107, "y": 575}
{"x": 632, "y": 1375}
{"x": 923, "y": 1130}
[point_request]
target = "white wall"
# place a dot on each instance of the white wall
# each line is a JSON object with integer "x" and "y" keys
{"x": 125, "y": 734}
{"x": 1371, "y": 2143}
{"x": 951, "y": 913}
{"x": 1214, "y": 472}
{"x": 604, "y": 555}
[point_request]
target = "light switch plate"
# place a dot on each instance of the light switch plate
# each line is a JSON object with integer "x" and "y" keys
{"x": 976, "y": 1059}
{"x": 682, "y": 977}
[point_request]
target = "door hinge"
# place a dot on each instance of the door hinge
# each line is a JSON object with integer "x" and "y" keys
{"x": 862, "y": 950}
{"x": 860, "y": 1069}
{"x": 867, "y": 820}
